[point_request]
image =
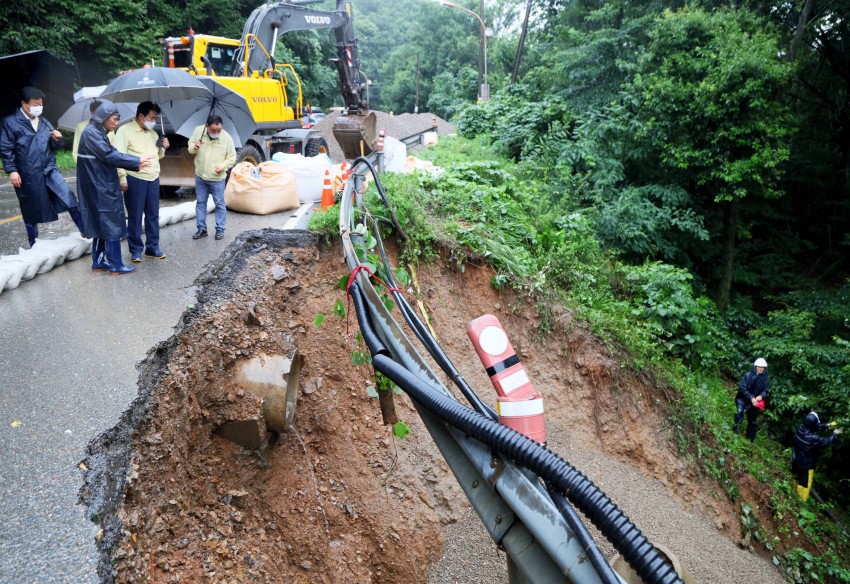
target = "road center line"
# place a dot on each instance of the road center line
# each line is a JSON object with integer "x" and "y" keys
{"x": 10, "y": 219}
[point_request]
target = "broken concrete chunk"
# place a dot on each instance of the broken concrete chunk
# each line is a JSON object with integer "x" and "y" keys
{"x": 279, "y": 273}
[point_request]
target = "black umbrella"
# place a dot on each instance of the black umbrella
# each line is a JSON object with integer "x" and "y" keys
{"x": 39, "y": 69}
{"x": 155, "y": 84}
{"x": 237, "y": 120}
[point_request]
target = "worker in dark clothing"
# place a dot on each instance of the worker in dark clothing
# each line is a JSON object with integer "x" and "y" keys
{"x": 27, "y": 144}
{"x": 807, "y": 448}
{"x": 752, "y": 391}
{"x": 101, "y": 199}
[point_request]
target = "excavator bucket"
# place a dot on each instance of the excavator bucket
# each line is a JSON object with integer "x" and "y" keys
{"x": 356, "y": 134}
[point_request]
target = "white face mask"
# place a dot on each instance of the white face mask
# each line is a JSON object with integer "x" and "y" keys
{"x": 213, "y": 136}
{"x": 150, "y": 125}
{"x": 35, "y": 110}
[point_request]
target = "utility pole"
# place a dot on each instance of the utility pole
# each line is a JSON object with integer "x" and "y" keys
{"x": 521, "y": 42}
{"x": 418, "y": 55}
{"x": 481, "y": 46}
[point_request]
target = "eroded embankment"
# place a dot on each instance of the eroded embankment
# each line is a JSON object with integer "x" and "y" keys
{"x": 338, "y": 499}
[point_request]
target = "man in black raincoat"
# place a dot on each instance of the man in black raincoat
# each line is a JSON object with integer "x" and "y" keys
{"x": 752, "y": 391}
{"x": 807, "y": 448}
{"x": 101, "y": 199}
{"x": 27, "y": 143}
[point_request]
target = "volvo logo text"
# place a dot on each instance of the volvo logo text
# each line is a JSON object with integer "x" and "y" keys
{"x": 264, "y": 99}
{"x": 317, "y": 19}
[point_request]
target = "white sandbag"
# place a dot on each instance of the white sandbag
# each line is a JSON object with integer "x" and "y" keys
{"x": 45, "y": 259}
{"x": 21, "y": 270}
{"x": 181, "y": 212}
{"x": 429, "y": 138}
{"x": 395, "y": 155}
{"x": 6, "y": 277}
{"x": 78, "y": 246}
{"x": 309, "y": 173}
{"x": 53, "y": 246}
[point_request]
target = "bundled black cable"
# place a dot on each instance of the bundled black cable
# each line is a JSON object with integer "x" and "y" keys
{"x": 562, "y": 477}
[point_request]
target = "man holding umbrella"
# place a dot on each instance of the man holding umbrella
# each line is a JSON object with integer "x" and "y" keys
{"x": 141, "y": 189}
{"x": 214, "y": 155}
{"x": 100, "y": 191}
{"x": 27, "y": 143}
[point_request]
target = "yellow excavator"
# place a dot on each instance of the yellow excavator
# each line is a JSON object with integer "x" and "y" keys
{"x": 247, "y": 67}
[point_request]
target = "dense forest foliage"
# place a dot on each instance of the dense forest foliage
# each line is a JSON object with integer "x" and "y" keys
{"x": 686, "y": 167}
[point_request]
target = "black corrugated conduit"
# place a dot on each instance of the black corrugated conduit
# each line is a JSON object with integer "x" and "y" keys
{"x": 429, "y": 342}
{"x": 626, "y": 538}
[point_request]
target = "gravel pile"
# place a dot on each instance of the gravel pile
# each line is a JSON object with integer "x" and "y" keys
{"x": 400, "y": 126}
{"x": 471, "y": 557}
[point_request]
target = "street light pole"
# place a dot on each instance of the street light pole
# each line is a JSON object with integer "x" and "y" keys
{"x": 484, "y": 91}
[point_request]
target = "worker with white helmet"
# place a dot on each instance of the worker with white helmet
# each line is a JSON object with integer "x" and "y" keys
{"x": 752, "y": 391}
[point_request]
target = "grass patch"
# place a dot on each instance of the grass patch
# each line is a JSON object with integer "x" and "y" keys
{"x": 65, "y": 160}
{"x": 482, "y": 207}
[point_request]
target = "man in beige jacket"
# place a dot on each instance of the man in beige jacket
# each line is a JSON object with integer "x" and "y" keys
{"x": 214, "y": 154}
{"x": 141, "y": 188}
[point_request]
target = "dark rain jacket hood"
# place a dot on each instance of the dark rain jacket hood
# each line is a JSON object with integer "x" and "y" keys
{"x": 106, "y": 109}
{"x": 101, "y": 200}
{"x": 43, "y": 193}
{"x": 807, "y": 447}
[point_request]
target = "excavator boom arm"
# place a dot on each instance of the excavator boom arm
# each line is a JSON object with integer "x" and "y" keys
{"x": 270, "y": 21}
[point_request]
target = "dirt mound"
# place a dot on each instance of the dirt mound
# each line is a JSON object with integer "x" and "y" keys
{"x": 338, "y": 499}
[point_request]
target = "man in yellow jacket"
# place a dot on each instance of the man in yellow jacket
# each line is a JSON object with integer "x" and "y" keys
{"x": 214, "y": 155}
{"x": 141, "y": 188}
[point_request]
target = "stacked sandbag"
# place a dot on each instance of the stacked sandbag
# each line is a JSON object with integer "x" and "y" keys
{"x": 309, "y": 172}
{"x": 41, "y": 258}
{"x": 181, "y": 212}
{"x": 261, "y": 190}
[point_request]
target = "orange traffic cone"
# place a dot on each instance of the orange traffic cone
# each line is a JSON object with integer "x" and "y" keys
{"x": 344, "y": 171}
{"x": 327, "y": 192}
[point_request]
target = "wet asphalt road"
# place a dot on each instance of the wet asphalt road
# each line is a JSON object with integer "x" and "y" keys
{"x": 69, "y": 343}
{"x": 12, "y": 233}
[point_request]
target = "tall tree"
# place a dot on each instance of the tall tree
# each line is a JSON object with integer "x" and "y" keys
{"x": 707, "y": 90}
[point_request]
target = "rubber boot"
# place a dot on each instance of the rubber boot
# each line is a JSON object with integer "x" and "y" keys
{"x": 752, "y": 428}
{"x": 32, "y": 232}
{"x": 113, "y": 256}
{"x": 74, "y": 212}
{"x": 98, "y": 256}
{"x": 803, "y": 492}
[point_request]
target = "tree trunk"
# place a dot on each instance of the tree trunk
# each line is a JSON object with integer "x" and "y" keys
{"x": 730, "y": 232}
{"x": 801, "y": 29}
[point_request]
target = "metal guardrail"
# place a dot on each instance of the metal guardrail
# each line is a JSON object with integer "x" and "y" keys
{"x": 518, "y": 514}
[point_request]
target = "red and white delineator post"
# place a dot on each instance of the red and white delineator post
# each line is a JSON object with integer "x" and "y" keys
{"x": 518, "y": 404}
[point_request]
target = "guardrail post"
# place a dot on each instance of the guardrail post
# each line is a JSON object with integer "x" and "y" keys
{"x": 359, "y": 179}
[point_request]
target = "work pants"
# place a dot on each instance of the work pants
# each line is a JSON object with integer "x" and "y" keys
{"x": 203, "y": 190}
{"x": 752, "y": 418}
{"x": 142, "y": 197}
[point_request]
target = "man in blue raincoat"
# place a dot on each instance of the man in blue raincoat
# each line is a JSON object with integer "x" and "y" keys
{"x": 27, "y": 143}
{"x": 101, "y": 199}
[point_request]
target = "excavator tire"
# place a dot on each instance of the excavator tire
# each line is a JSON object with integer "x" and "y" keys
{"x": 316, "y": 146}
{"x": 250, "y": 154}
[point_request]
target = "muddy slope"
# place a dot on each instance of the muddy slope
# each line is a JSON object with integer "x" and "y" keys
{"x": 335, "y": 501}
{"x": 339, "y": 499}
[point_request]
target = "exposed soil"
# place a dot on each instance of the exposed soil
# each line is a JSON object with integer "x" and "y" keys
{"x": 338, "y": 499}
